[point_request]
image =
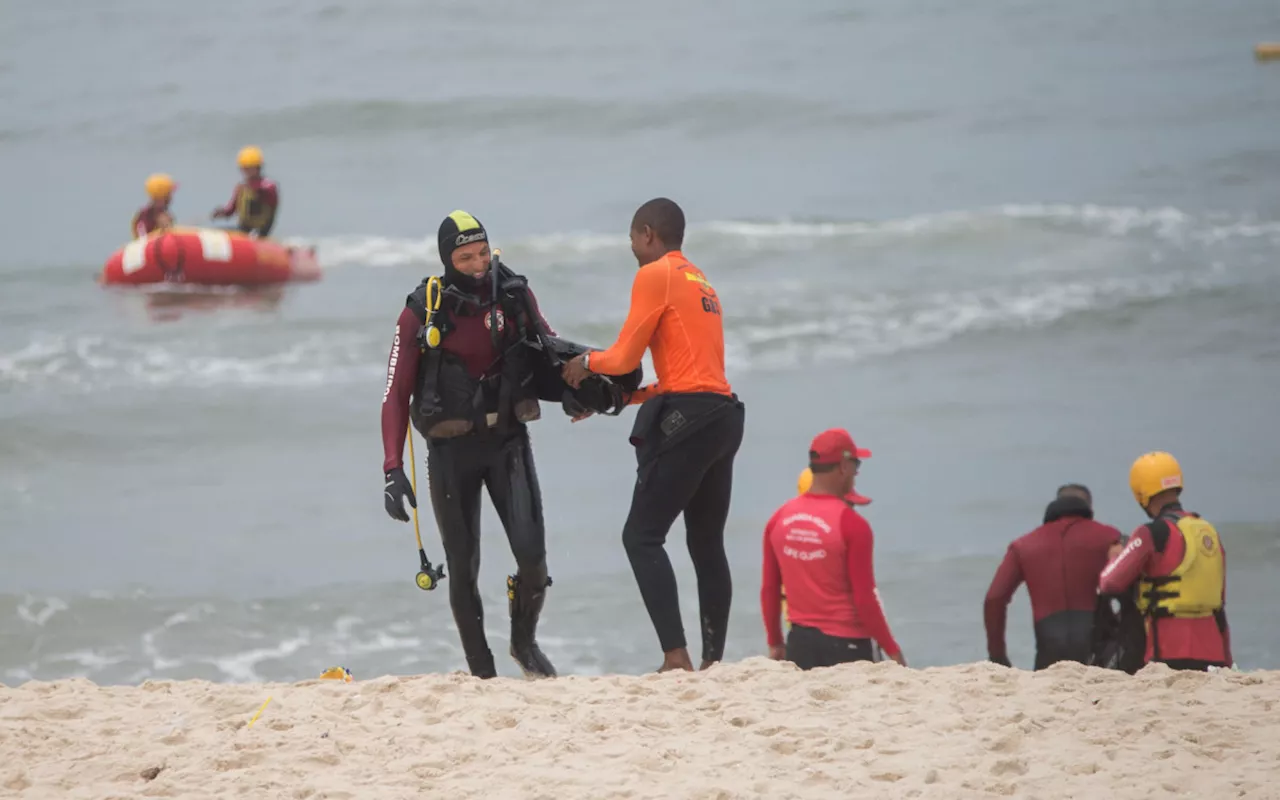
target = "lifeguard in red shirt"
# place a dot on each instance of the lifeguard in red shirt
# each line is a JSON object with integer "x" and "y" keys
{"x": 255, "y": 199}
{"x": 1180, "y": 567}
{"x": 820, "y": 548}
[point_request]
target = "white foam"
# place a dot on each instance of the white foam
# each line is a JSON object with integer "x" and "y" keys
{"x": 38, "y": 611}
{"x": 239, "y": 667}
{"x": 96, "y": 361}
{"x": 1166, "y": 222}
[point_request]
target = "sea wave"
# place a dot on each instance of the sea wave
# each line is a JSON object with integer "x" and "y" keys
{"x": 929, "y": 279}
{"x": 1168, "y": 225}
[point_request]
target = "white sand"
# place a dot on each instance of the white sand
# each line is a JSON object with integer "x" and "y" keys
{"x": 753, "y": 729}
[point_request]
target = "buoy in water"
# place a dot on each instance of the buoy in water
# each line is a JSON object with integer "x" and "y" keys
{"x": 1267, "y": 51}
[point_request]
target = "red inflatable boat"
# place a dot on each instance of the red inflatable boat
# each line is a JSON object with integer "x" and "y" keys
{"x": 208, "y": 257}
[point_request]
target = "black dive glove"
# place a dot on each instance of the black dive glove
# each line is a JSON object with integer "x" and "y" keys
{"x": 396, "y": 490}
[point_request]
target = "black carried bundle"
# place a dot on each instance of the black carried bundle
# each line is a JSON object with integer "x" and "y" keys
{"x": 601, "y": 394}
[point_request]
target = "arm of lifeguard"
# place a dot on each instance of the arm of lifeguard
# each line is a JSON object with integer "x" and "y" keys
{"x": 230, "y": 207}
{"x": 862, "y": 577}
{"x": 995, "y": 608}
{"x": 1226, "y": 626}
{"x": 644, "y": 393}
{"x": 1120, "y": 574}
{"x": 402, "y": 371}
{"x": 648, "y": 301}
{"x": 136, "y": 227}
{"x": 771, "y": 591}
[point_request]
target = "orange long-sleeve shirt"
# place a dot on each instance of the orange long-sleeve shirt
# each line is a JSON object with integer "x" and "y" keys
{"x": 675, "y": 313}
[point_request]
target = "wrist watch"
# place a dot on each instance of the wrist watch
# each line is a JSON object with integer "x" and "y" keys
{"x": 586, "y": 361}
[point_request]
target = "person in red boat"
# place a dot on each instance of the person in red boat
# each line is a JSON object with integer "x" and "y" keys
{"x": 255, "y": 199}
{"x": 820, "y": 548}
{"x": 154, "y": 215}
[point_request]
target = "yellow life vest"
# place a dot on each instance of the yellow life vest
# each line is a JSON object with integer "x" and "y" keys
{"x": 1194, "y": 588}
{"x": 253, "y": 213}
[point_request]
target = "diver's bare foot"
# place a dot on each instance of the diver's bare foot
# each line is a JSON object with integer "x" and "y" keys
{"x": 676, "y": 659}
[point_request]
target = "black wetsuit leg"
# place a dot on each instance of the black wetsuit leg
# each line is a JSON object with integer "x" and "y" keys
{"x": 513, "y": 487}
{"x": 809, "y": 648}
{"x": 456, "y": 470}
{"x": 704, "y": 520}
{"x": 693, "y": 476}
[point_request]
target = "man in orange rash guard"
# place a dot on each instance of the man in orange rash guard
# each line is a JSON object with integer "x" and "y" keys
{"x": 686, "y": 433}
{"x": 821, "y": 549}
{"x": 1180, "y": 567}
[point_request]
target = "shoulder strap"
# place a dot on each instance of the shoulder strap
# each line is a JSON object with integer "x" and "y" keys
{"x": 1160, "y": 528}
{"x": 416, "y": 301}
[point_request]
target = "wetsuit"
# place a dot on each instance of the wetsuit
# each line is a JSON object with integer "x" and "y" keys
{"x": 147, "y": 219}
{"x": 821, "y": 549}
{"x": 1151, "y": 557}
{"x": 255, "y": 203}
{"x": 470, "y": 396}
{"x": 1060, "y": 562}
{"x": 472, "y": 363}
{"x": 686, "y": 435}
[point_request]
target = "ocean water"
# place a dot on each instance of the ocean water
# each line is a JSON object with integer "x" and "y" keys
{"x": 1008, "y": 246}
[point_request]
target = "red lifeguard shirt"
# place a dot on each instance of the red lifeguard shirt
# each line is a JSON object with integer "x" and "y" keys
{"x": 821, "y": 550}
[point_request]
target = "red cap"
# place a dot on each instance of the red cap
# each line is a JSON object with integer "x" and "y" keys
{"x": 833, "y": 446}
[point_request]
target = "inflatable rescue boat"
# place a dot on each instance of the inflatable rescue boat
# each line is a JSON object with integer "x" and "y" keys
{"x": 208, "y": 257}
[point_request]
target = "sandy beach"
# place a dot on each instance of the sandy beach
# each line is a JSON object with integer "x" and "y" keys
{"x": 750, "y": 729}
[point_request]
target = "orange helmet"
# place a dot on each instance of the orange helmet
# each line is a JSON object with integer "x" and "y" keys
{"x": 1152, "y": 474}
{"x": 250, "y": 156}
{"x": 160, "y": 186}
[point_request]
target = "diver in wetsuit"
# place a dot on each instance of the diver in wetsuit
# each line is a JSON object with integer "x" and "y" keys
{"x": 471, "y": 358}
{"x": 1060, "y": 562}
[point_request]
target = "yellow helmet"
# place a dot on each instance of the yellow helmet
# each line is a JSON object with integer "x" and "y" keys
{"x": 1152, "y": 474}
{"x": 160, "y": 185}
{"x": 250, "y": 157}
{"x": 805, "y": 482}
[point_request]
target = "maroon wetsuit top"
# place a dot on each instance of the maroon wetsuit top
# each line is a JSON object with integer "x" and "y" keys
{"x": 147, "y": 220}
{"x": 1060, "y": 562}
{"x": 469, "y": 339}
{"x": 266, "y": 191}
{"x": 1155, "y": 550}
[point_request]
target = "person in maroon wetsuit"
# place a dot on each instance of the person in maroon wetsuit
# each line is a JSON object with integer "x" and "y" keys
{"x": 154, "y": 215}
{"x": 820, "y": 548}
{"x": 470, "y": 371}
{"x": 256, "y": 199}
{"x": 1179, "y": 566}
{"x": 1060, "y": 562}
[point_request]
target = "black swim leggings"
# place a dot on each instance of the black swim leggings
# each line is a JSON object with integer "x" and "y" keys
{"x": 456, "y": 470}
{"x": 808, "y": 648}
{"x": 694, "y": 477}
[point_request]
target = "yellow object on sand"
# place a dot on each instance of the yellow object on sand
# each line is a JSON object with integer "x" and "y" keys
{"x": 1267, "y": 51}
{"x": 337, "y": 674}
{"x": 261, "y": 708}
